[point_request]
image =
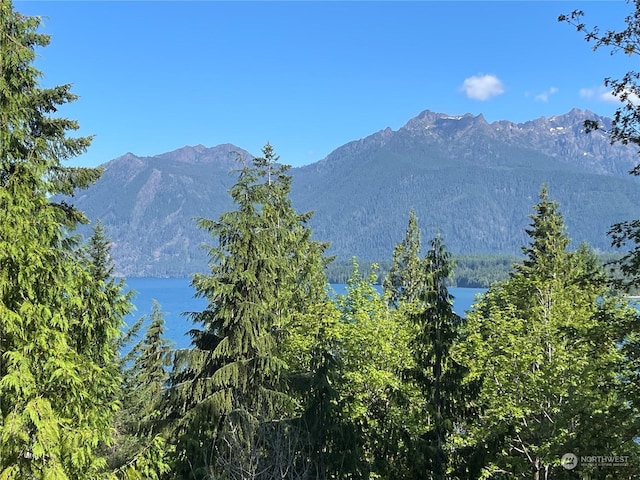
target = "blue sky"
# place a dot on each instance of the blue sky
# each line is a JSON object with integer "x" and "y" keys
{"x": 308, "y": 77}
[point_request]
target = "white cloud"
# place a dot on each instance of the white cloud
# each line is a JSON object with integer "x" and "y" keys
{"x": 587, "y": 92}
{"x": 605, "y": 95}
{"x": 544, "y": 96}
{"x": 482, "y": 87}
{"x": 598, "y": 93}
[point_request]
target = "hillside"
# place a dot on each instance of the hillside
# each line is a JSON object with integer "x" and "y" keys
{"x": 149, "y": 206}
{"x": 473, "y": 181}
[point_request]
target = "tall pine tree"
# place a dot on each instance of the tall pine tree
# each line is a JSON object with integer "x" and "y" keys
{"x": 406, "y": 274}
{"x": 417, "y": 288}
{"x": 141, "y": 449}
{"x": 435, "y": 372}
{"x": 264, "y": 271}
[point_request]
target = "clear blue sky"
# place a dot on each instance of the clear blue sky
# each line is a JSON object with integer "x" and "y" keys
{"x": 308, "y": 77}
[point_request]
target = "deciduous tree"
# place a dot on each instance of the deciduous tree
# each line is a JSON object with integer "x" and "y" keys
{"x": 373, "y": 350}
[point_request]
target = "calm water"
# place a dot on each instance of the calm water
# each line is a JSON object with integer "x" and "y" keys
{"x": 175, "y": 296}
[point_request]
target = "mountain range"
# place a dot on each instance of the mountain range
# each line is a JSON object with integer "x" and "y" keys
{"x": 472, "y": 181}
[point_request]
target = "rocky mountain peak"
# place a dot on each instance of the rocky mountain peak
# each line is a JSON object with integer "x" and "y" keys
{"x": 428, "y": 120}
{"x": 473, "y": 180}
{"x": 224, "y": 154}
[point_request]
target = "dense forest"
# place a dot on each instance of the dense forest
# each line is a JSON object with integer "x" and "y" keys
{"x": 283, "y": 380}
{"x": 468, "y": 271}
{"x": 472, "y": 271}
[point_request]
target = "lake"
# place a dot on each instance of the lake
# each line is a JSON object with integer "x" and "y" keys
{"x": 175, "y": 296}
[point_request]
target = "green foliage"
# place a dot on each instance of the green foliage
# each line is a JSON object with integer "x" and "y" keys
{"x": 310, "y": 351}
{"x": 436, "y": 373}
{"x": 406, "y": 274}
{"x": 624, "y": 126}
{"x": 109, "y": 302}
{"x": 372, "y": 347}
{"x": 340, "y": 271}
{"x": 483, "y": 182}
{"x": 60, "y": 315}
{"x": 283, "y": 381}
{"x": 544, "y": 347}
{"x": 146, "y": 378}
{"x": 417, "y": 289}
{"x": 149, "y": 463}
{"x": 547, "y": 251}
{"x": 468, "y": 271}
{"x": 141, "y": 449}
{"x": 265, "y": 271}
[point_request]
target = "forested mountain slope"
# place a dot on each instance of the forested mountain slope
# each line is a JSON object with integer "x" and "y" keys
{"x": 149, "y": 207}
{"x": 470, "y": 180}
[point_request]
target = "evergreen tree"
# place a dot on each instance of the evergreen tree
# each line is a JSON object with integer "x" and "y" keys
{"x": 105, "y": 296}
{"x": 264, "y": 272}
{"x": 311, "y": 352}
{"x": 321, "y": 419}
{"x": 99, "y": 255}
{"x": 436, "y": 373}
{"x": 141, "y": 448}
{"x": 549, "y": 241}
{"x": 417, "y": 288}
{"x": 545, "y": 349}
{"x": 148, "y": 376}
{"x": 58, "y": 330}
{"x": 406, "y": 274}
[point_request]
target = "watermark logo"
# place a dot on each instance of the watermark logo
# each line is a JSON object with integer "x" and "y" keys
{"x": 569, "y": 461}
{"x": 605, "y": 460}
